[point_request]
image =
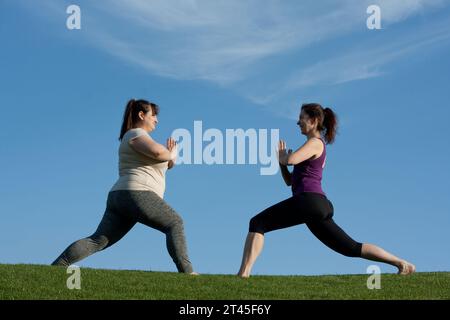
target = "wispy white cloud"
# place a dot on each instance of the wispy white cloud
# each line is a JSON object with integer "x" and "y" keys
{"x": 218, "y": 41}
{"x": 396, "y": 11}
{"x": 232, "y": 43}
{"x": 363, "y": 61}
{"x": 223, "y": 41}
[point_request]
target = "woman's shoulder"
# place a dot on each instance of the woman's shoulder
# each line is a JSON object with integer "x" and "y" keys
{"x": 319, "y": 147}
{"x": 316, "y": 142}
{"x": 134, "y": 133}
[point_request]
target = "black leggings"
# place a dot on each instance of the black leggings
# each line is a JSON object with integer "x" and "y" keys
{"x": 316, "y": 211}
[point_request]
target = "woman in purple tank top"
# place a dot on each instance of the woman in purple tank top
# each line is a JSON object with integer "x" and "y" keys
{"x": 309, "y": 203}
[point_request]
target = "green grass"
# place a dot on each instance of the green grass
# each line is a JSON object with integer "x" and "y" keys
{"x": 46, "y": 282}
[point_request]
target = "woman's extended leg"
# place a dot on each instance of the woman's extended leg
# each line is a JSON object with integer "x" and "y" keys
{"x": 375, "y": 253}
{"x": 110, "y": 230}
{"x": 335, "y": 238}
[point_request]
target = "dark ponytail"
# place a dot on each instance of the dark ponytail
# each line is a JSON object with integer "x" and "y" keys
{"x": 330, "y": 125}
{"x": 326, "y": 119}
{"x": 131, "y": 114}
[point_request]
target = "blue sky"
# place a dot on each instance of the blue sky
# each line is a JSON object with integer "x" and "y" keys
{"x": 230, "y": 64}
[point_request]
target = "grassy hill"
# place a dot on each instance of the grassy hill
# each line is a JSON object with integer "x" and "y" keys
{"x": 46, "y": 282}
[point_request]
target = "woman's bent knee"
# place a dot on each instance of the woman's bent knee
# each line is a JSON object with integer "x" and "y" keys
{"x": 256, "y": 225}
{"x": 100, "y": 241}
{"x": 176, "y": 222}
{"x": 353, "y": 251}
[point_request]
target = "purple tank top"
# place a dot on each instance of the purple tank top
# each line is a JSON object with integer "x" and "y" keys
{"x": 307, "y": 175}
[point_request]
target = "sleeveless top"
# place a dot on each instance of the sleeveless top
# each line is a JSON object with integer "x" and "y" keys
{"x": 307, "y": 175}
{"x": 137, "y": 171}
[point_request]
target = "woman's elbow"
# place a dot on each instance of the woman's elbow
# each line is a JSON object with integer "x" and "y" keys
{"x": 156, "y": 155}
{"x": 161, "y": 156}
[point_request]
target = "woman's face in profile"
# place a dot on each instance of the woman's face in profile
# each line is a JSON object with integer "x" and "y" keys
{"x": 150, "y": 120}
{"x": 305, "y": 123}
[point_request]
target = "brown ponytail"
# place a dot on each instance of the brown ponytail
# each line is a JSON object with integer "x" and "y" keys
{"x": 326, "y": 119}
{"x": 330, "y": 124}
{"x": 131, "y": 114}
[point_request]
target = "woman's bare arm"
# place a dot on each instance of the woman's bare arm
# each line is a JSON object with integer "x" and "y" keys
{"x": 311, "y": 148}
{"x": 147, "y": 146}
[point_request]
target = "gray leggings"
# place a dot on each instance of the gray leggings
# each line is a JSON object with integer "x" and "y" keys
{"x": 125, "y": 208}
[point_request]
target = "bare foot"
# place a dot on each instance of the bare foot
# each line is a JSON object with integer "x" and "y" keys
{"x": 406, "y": 268}
{"x": 244, "y": 276}
{"x": 194, "y": 273}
